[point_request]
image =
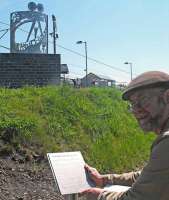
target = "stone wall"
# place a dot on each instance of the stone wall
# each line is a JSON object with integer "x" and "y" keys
{"x": 17, "y": 70}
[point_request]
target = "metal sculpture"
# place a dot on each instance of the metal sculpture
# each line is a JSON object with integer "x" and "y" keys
{"x": 36, "y": 40}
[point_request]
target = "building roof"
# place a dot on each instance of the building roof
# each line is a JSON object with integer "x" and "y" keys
{"x": 103, "y": 77}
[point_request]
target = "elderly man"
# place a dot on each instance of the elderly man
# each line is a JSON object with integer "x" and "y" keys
{"x": 149, "y": 98}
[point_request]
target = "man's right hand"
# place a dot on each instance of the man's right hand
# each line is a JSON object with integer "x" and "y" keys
{"x": 95, "y": 176}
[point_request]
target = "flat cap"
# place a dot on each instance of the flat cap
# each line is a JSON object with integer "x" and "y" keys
{"x": 149, "y": 79}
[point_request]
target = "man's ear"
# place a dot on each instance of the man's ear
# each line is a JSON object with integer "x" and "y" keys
{"x": 166, "y": 96}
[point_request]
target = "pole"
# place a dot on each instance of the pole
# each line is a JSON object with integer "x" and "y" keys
{"x": 54, "y": 33}
{"x": 12, "y": 35}
{"x": 86, "y": 62}
{"x": 131, "y": 71}
{"x": 86, "y": 67}
{"x": 47, "y": 29}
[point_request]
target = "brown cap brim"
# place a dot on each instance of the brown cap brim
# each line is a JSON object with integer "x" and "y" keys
{"x": 129, "y": 91}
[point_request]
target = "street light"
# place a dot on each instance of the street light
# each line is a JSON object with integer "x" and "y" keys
{"x": 86, "y": 69}
{"x": 131, "y": 68}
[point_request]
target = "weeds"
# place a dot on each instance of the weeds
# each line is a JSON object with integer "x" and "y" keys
{"x": 93, "y": 120}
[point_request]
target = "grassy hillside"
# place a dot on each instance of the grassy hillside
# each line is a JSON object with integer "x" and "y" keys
{"x": 93, "y": 120}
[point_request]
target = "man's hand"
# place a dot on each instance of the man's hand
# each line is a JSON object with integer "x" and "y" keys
{"x": 92, "y": 193}
{"x": 95, "y": 176}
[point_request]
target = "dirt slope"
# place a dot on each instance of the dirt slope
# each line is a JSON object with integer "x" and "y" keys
{"x": 21, "y": 180}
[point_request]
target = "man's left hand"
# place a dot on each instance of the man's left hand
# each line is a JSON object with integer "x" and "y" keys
{"x": 92, "y": 193}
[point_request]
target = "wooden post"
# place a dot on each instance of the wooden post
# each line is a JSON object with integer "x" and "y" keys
{"x": 71, "y": 197}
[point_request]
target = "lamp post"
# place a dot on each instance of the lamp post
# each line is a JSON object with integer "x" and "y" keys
{"x": 131, "y": 69}
{"x": 86, "y": 68}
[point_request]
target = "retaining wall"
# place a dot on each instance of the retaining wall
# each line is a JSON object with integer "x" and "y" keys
{"x": 17, "y": 70}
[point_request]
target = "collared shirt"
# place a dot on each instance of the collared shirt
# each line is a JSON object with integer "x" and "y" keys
{"x": 152, "y": 183}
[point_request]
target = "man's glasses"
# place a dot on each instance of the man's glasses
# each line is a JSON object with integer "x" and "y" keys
{"x": 140, "y": 103}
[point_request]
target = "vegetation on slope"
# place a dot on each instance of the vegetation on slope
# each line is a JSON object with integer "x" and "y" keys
{"x": 94, "y": 121}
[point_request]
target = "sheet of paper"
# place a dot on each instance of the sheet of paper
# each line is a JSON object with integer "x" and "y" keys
{"x": 116, "y": 188}
{"x": 69, "y": 173}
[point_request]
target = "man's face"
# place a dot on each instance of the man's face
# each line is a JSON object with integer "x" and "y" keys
{"x": 148, "y": 106}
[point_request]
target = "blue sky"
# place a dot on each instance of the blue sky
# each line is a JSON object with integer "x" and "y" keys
{"x": 136, "y": 31}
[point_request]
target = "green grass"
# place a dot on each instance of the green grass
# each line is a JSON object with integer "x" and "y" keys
{"x": 93, "y": 120}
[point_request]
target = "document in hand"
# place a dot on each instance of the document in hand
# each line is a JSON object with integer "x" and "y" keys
{"x": 70, "y": 176}
{"x": 116, "y": 188}
{"x": 68, "y": 171}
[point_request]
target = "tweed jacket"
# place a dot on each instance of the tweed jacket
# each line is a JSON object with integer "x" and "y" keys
{"x": 152, "y": 183}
